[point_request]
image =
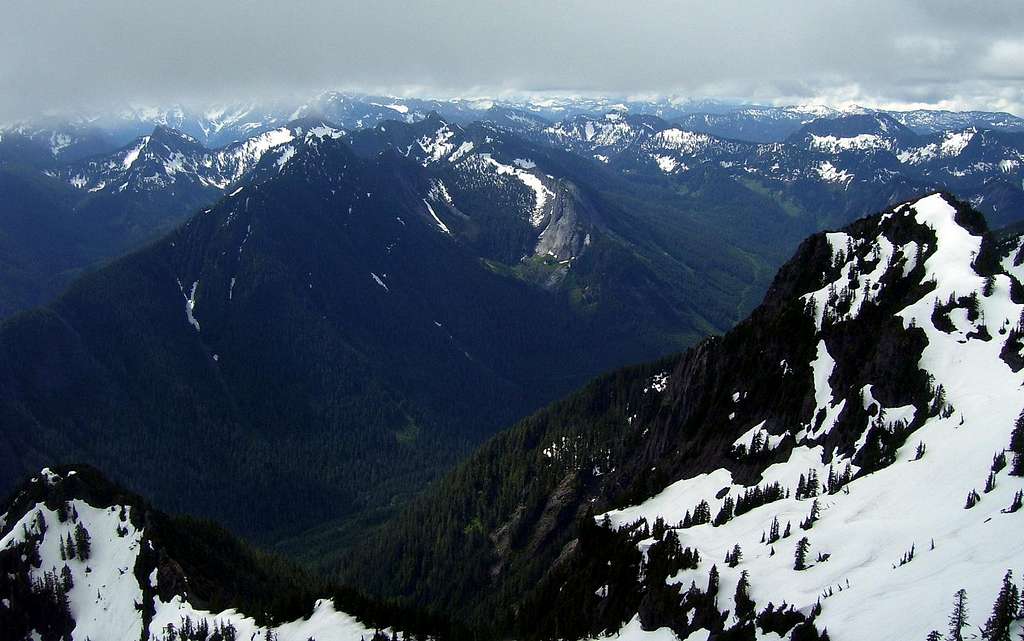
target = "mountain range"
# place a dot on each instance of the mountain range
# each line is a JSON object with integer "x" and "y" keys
{"x": 315, "y": 323}
{"x": 846, "y": 463}
{"x": 830, "y": 167}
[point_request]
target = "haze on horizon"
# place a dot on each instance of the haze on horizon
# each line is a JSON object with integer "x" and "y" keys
{"x": 65, "y": 55}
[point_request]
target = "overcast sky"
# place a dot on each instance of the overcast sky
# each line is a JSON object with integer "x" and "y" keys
{"x": 65, "y": 54}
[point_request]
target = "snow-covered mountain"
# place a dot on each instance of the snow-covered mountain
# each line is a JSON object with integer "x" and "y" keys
{"x": 860, "y": 153}
{"x": 168, "y": 159}
{"x": 75, "y": 137}
{"x": 847, "y": 459}
{"x": 484, "y": 180}
{"x": 82, "y": 559}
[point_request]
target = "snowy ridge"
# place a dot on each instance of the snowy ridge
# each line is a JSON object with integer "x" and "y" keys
{"x": 168, "y": 159}
{"x": 113, "y": 583}
{"x": 891, "y": 542}
{"x": 838, "y": 149}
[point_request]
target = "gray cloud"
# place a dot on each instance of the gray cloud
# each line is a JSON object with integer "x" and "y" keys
{"x": 59, "y": 54}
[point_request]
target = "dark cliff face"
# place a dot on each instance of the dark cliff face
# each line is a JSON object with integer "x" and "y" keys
{"x": 518, "y": 510}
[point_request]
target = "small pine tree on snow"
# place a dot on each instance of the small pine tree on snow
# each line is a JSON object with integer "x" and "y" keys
{"x": 920, "y": 451}
{"x": 745, "y": 608}
{"x": 62, "y": 511}
{"x": 69, "y": 547}
{"x": 1018, "y": 502}
{"x": 990, "y": 482}
{"x": 725, "y": 514}
{"x": 998, "y": 462}
{"x": 773, "y": 531}
{"x": 734, "y": 559}
{"x": 972, "y": 499}
{"x": 702, "y": 513}
{"x": 958, "y": 618}
{"x": 713, "y": 581}
{"x": 801, "y": 488}
{"x": 815, "y": 513}
{"x": 1004, "y": 611}
{"x": 934, "y": 635}
{"x": 800, "y": 559}
{"x": 83, "y": 543}
{"x": 67, "y": 581}
{"x": 812, "y": 483}
{"x": 785, "y": 534}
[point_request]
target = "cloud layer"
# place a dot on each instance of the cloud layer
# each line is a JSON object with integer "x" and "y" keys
{"x": 62, "y": 54}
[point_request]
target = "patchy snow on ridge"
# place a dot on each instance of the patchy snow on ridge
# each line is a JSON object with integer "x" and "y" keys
{"x": 860, "y": 142}
{"x": 540, "y": 191}
{"x": 829, "y": 173}
{"x": 956, "y": 141}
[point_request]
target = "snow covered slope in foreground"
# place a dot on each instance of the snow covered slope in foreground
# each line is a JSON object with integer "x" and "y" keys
{"x": 912, "y": 498}
{"x": 75, "y": 566}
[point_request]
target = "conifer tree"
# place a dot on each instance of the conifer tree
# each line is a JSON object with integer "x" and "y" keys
{"x": 812, "y": 483}
{"x": 958, "y": 618}
{"x": 785, "y": 534}
{"x": 83, "y": 542}
{"x": 934, "y": 635}
{"x": 800, "y": 560}
{"x": 713, "y": 581}
{"x": 1017, "y": 447}
{"x": 773, "y": 531}
{"x": 920, "y": 451}
{"x": 69, "y": 547}
{"x": 1018, "y": 501}
{"x": 658, "y": 529}
{"x": 735, "y": 557}
{"x": 1004, "y": 611}
{"x": 725, "y": 514}
{"x": 745, "y": 608}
